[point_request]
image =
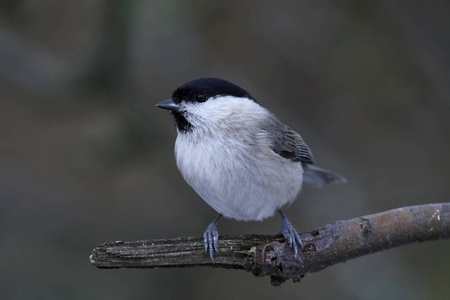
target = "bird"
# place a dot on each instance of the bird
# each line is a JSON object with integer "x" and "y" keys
{"x": 239, "y": 157}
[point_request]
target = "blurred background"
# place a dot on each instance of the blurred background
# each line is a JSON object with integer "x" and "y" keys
{"x": 86, "y": 157}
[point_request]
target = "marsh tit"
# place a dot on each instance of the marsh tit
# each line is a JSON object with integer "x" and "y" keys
{"x": 238, "y": 156}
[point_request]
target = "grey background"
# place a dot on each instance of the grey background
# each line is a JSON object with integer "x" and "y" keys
{"x": 86, "y": 157}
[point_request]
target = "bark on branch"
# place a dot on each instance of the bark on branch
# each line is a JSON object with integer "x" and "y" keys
{"x": 269, "y": 255}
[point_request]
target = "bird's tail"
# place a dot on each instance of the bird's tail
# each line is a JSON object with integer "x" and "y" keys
{"x": 318, "y": 177}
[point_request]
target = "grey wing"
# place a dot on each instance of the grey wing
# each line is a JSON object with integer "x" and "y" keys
{"x": 289, "y": 144}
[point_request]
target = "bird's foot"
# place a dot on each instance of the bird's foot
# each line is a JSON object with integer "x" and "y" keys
{"x": 291, "y": 235}
{"x": 211, "y": 239}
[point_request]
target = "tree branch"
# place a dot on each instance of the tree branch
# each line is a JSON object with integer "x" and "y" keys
{"x": 270, "y": 255}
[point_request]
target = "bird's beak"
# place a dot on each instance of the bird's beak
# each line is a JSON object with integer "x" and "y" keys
{"x": 168, "y": 104}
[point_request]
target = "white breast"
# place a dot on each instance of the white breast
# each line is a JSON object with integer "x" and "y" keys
{"x": 234, "y": 171}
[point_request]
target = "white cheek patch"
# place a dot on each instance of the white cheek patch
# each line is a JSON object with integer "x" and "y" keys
{"x": 222, "y": 110}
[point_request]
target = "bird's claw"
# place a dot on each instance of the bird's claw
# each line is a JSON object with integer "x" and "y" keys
{"x": 211, "y": 239}
{"x": 291, "y": 236}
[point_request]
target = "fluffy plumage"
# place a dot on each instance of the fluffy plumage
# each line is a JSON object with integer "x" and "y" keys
{"x": 234, "y": 168}
{"x": 237, "y": 155}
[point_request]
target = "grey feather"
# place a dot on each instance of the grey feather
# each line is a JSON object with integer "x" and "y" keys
{"x": 288, "y": 143}
{"x": 318, "y": 177}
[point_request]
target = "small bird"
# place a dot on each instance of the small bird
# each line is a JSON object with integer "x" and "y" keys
{"x": 238, "y": 156}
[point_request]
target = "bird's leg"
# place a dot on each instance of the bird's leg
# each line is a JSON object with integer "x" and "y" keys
{"x": 290, "y": 234}
{"x": 211, "y": 238}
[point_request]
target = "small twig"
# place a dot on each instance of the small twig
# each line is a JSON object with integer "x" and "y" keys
{"x": 269, "y": 255}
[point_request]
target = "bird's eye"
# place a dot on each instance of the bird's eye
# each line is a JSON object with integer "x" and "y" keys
{"x": 201, "y": 98}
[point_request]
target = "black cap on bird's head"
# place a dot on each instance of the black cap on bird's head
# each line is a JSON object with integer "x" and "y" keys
{"x": 200, "y": 90}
